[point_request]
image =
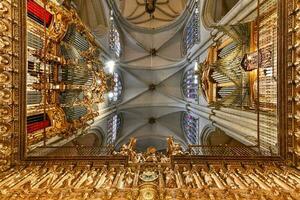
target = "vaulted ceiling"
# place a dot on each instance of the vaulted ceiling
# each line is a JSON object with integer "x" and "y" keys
{"x": 166, "y": 11}
{"x": 93, "y": 13}
{"x": 151, "y": 65}
{"x": 152, "y": 100}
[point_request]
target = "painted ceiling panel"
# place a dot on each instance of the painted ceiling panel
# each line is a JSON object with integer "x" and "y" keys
{"x": 150, "y": 111}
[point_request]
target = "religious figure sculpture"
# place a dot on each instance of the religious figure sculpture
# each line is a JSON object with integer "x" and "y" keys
{"x": 205, "y": 79}
{"x": 170, "y": 178}
{"x": 229, "y": 182}
{"x": 129, "y": 177}
{"x": 173, "y": 148}
{"x": 109, "y": 178}
{"x": 207, "y": 178}
{"x": 128, "y": 150}
{"x": 188, "y": 178}
{"x": 151, "y": 155}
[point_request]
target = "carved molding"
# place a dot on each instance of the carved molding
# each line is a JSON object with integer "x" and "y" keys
{"x": 11, "y": 16}
{"x": 150, "y": 182}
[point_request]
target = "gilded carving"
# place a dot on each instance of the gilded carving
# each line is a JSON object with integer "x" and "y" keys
{"x": 4, "y": 61}
{"x": 63, "y": 182}
{"x": 3, "y": 27}
{"x": 293, "y": 79}
{"x": 135, "y": 181}
{"x": 5, "y": 78}
{"x": 173, "y": 147}
{"x": 9, "y": 29}
{"x": 148, "y": 175}
{"x": 170, "y": 178}
{"x": 3, "y": 8}
{"x": 189, "y": 180}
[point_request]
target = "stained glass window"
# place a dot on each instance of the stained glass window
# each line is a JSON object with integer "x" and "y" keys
{"x": 115, "y": 95}
{"x": 190, "y": 85}
{"x": 114, "y": 38}
{"x": 190, "y": 127}
{"x": 191, "y": 34}
{"x": 113, "y": 128}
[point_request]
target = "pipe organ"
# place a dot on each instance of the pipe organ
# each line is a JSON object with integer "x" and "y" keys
{"x": 222, "y": 78}
{"x": 65, "y": 83}
{"x": 266, "y": 80}
{"x": 268, "y": 54}
{"x": 65, "y": 78}
{"x": 227, "y": 75}
{"x": 241, "y": 72}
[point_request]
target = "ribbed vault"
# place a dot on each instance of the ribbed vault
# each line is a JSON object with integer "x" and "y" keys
{"x": 166, "y": 11}
{"x": 152, "y": 65}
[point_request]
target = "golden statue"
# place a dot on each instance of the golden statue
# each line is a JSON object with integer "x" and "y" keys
{"x": 173, "y": 147}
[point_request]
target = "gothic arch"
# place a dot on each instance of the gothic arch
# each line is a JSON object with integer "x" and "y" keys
{"x": 214, "y": 10}
{"x": 214, "y": 136}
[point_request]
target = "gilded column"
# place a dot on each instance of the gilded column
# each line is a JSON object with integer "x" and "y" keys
{"x": 11, "y": 70}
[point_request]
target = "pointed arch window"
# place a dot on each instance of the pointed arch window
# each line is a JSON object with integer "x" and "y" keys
{"x": 190, "y": 128}
{"x": 191, "y": 34}
{"x": 114, "y": 38}
{"x": 113, "y": 128}
{"x": 190, "y": 85}
{"x": 115, "y": 95}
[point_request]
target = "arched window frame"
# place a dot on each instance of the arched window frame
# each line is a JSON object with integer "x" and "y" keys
{"x": 114, "y": 38}
{"x": 117, "y": 90}
{"x": 114, "y": 123}
{"x": 190, "y": 126}
{"x": 190, "y": 85}
{"x": 191, "y": 33}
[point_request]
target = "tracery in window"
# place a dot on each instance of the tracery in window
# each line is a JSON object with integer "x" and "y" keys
{"x": 190, "y": 128}
{"x": 113, "y": 128}
{"x": 114, "y": 38}
{"x": 115, "y": 95}
{"x": 191, "y": 34}
{"x": 190, "y": 85}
